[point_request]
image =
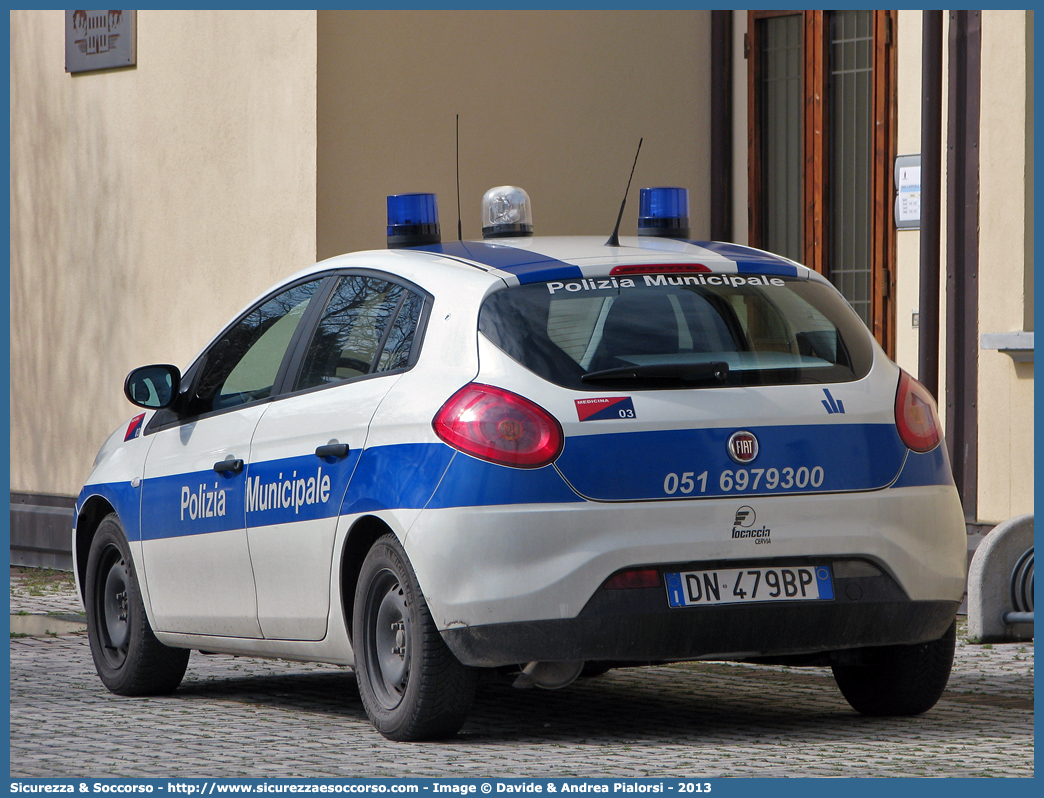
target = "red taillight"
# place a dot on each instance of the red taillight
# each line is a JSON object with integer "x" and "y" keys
{"x": 916, "y": 417}
{"x": 499, "y": 426}
{"x": 660, "y": 268}
{"x": 637, "y": 577}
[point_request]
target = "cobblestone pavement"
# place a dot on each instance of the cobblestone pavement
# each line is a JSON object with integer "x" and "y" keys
{"x": 43, "y": 592}
{"x": 242, "y": 717}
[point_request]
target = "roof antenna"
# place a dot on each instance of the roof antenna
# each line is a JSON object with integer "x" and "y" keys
{"x": 614, "y": 239}
{"x": 460, "y": 236}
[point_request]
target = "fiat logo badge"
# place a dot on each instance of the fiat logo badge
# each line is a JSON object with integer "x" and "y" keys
{"x": 742, "y": 446}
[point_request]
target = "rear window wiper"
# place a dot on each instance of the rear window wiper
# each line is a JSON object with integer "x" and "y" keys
{"x": 715, "y": 371}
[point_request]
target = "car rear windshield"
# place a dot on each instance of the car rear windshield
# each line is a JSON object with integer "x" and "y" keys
{"x": 676, "y": 331}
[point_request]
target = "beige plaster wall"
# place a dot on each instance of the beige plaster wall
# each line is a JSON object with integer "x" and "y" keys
{"x": 148, "y": 205}
{"x": 552, "y": 101}
{"x": 908, "y": 142}
{"x": 1005, "y": 263}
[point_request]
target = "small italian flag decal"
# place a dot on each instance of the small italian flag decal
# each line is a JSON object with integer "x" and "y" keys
{"x": 603, "y": 408}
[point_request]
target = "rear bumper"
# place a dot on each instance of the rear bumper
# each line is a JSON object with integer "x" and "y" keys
{"x": 638, "y": 626}
{"x": 513, "y": 564}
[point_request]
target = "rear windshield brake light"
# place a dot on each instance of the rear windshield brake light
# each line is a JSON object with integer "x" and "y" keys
{"x": 660, "y": 268}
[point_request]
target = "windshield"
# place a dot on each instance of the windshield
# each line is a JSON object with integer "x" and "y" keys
{"x": 668, "y": 331}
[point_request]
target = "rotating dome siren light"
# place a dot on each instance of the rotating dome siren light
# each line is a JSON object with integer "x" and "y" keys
{"x": 664, "y": 212}
{"x": 506, "y": 212}
{"x": 413, "y": 220}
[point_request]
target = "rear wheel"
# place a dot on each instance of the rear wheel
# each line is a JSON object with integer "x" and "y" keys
{"x": 899, "y": 680}
{"x": 411, "y": 685}
{"x": 128, "y": 657}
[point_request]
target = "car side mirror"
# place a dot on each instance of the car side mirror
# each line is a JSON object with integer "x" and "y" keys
{"x": 153, "y": 387}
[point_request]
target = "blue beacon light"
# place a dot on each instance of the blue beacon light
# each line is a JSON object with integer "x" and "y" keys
{"x": 413, "y": 220}
{"x": 664, "y": 212}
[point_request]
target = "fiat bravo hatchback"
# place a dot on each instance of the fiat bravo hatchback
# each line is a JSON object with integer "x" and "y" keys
{"x": 533, "y": 457}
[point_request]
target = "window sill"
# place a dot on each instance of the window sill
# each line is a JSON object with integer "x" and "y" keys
{"x": 1016, "y": 345}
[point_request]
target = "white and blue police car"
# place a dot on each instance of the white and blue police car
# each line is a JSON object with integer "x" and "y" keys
{"x": 534, "y": 456}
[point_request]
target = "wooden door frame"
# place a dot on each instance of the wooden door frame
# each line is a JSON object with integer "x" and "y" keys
{"x": 815, "y": 141}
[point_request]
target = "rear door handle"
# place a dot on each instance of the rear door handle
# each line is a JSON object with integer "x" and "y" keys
{"x": 223, "y": 466}
{"x": 337, "y": 450}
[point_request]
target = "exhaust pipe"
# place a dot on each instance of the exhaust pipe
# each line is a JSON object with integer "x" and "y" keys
{"x": 549, "y": 675}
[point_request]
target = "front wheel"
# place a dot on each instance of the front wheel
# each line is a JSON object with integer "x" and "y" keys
{"x": 128, "y": 657}
{"x": 899, "y": 680}
{"x": 411, "y": 685}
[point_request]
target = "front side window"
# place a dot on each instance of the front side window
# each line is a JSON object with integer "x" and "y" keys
{"x": 242, "y": 366}
{"x": 659, "y": 331}
{"x": 365, "y": 317}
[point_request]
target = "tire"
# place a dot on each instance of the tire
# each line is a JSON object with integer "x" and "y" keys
{"x": 899, "y": 680}
{"x": 411, "y": 685}
{"x": 128, "y": 657}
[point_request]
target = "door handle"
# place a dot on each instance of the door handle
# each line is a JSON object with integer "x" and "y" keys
{"x": 337, "y": 450}
{"x": 224, "y": 466}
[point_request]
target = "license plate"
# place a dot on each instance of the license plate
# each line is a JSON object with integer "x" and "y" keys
{"x": 747, "y": 585}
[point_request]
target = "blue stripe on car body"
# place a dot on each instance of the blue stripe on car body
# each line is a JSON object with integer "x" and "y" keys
{"x": 163, "y": 496}
{"x": 527, "y": 266}
{"x": 931, "y": 468}
{"x": 633, "y": 466}
{"x": 470, "y": 482}
{"x": 400, "y": 476}
{"x": 123, "y": 498}
{"x": 434, "y": 476}
{"x": 297, "y": 488}
{"x": 751, "y": 261}
{"x": 534, "y": 267}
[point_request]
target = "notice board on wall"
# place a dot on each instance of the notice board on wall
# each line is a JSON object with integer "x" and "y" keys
{"x": 100, "y": 40}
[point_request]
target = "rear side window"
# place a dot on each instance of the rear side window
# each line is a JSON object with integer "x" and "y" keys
{"x": 660, "y": 331}
{"x": 365, "y": 316}
{"x": 399, "y": 345}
